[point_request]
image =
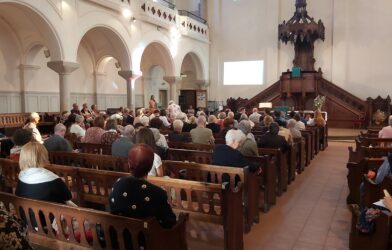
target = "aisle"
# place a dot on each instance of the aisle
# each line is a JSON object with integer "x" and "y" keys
{"x": 312, "y": 214}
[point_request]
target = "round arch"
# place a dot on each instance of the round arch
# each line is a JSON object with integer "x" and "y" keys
{"x": 193, "y": 61}
{"x": 199, "y": 55}
{"x": 157, "y": 53}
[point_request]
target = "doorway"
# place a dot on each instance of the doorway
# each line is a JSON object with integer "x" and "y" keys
{"x": 187, "y": 98}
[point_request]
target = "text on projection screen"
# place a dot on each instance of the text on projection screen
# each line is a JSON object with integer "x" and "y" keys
{"x": 243, "y": 73}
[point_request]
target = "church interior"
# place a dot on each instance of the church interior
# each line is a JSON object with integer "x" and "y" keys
{"x": 195, "y": 124}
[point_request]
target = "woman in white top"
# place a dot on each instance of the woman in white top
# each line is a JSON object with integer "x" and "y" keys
{"x": 33, "y": 121}
{"x": 78, "y": 127}
{"x": 146, "y": 136}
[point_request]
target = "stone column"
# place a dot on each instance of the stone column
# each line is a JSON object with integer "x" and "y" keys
{"x": 64, "y": 69}
{"x": 129, "y": 77}
{"x": 26, "y": 72}
{"x": 172, "y": 80}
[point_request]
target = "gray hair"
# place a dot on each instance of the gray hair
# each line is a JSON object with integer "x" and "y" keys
{"x": 230, "y": 114}
{"x": 245, "y": 126}
{"x": 291, "y": 123}
{"x": 177, "y": 125}
{"x": 129, "y": 130}
{"x": 390, "y": 120}
{"x": 59, "y": 127}
{"x": 212, "y": 119}
{"x": 145, "y": 121}
{"x": 234, "y": 135}
{"x": 79, "y": 118}
{"x": 181, "y": 116}
{"x": 201, "y": 120}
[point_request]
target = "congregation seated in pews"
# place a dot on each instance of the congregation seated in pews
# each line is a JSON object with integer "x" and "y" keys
{"x": 235, "y": 173}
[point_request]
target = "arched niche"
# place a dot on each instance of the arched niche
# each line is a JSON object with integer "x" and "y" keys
{"x": 191, "y": 71}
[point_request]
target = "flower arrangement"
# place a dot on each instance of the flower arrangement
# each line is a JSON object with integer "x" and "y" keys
{"x": 379, "y": 117}
{"x": 319, "y": 102}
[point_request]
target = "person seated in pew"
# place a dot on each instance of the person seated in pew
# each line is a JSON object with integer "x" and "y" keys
{"x": 212, "y": 124}
{"x": 255, "y": 116}
{"x": 128, "y": 117}
{"x": 386, "y": 132}
{"x": 155, "y": 125}
{"x": 36, "y": 182}
{"x": 163, "y": 117}
{"x": 177, "y": 135}
{"x": 20, "y": 138}
{"x": 122, "y": 145}
{"x": 221, "y": 119}
{"x": 248, "y": 145}
{"x": 111, "y": 134}
{"x": 57, "y": 142}
{"x": 146, "y": 136}
{"x": 94, "y": 133}
{"x": 286, "y": 134}
{"x": 78, "y": 127}
{"x": 273, "y": 140}
{"x": 32, "y": 124}
{"x": 75, "y": 109}
{"x": 201, "y": 134}
{"x": 135, "y": 197}
{"x": 267, "y": 121}
{"x": 300, "y": 125}
{"x": 293, "y": 130}
{"x": 279, "y": 119}
{"x": 228, "y": 124}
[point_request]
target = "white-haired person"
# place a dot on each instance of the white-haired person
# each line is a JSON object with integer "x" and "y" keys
{"x": 291, "y": 126}
{"x": 255, "y": 116}
{"x": 176, "y": 135}
{"x": 57, "y": 142}
{"x": 248, "y": 146}
{"x": 32, "y": 124}
{"x": 78, "y": 127}
{"x": 122, "y": 145}
{"x": 231, "y": 115}
{"x": 173, "y": 110}
{"x": 201, "y": 134}
{"x": 386, "y": 132}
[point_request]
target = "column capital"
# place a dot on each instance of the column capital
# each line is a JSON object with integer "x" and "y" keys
{"x": 172, "y": 79}
{"x": 203, "y": 83}
{"x": 62, "y": 67}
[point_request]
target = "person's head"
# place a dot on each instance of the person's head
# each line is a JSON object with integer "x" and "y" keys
{"x": 244, "y": 117}
{"x": 162, "y": 112}
{"x": 268, "y": 120}
{"x": 126, "y": 111}
{"x": 156, "y": 123}
{"x": 94, "y": 107}
{"x": 193, "y": 119}
{"x": 138, "y": 126}
{"x": 273, "y": 128}
{"x": 177, "y": 125}
{"x": 111, "y": 124}
{"x": 230, "y": 114}
{"x": 140, "y": 160}
{"x": 201, "y": 121}
{"x": 390, "y": 120}
{"x": 75, "y": 106}
{"x": 139, "y": 112}
{"x": 152, "y": 97}
{"x": 255, "y": 110}
{"x": 79, "y": 119}
{"x": 245, "y": 126}
{"x": 145, "y": 121}
{"x": 171, "y": 102}
{"x": 99, "y": 122}
{"x": 156, "y": 113}
{"x": 190, "y": 107}
{"x": 292, "y": 114}
{"x": 60, "y": 129}
{"x": 242, "y": 110}
{"x": 212, "y": 119}
{"x": 129, "y": 131}
{"x": 291, "y": 123}
{"x": 228, "y": 122}
{"x": 222, "y": 115}
{"x": 297, "y": 117}
{"x": 234, "y": 138}
{"x": 146, "y": 136}
{"x": 277, "y": 113}
{"x": 34, "y": 117}
{"x": 33, "y": 155}
{"x": 181, "y": 116}
{"x": 85, "y": 106}
{"x": 22, "y": 136}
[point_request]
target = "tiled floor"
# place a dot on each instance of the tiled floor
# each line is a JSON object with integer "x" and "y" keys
{"x": 312, "y": 214}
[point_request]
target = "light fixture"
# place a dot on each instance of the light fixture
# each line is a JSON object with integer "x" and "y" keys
{"x": 133, "y": 19}
{"x": 47, "y": 53}
{"x": 265, "y": 105}
{"x": 126, "y": 13}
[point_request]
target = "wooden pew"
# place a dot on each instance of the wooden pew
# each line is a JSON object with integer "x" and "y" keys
{"x": 214, "y": 174}
{"x": 374, "y": 142}
{"x": 100, "y": 223}
{"x": 301, "y": 154}
{"x": 378, "y": 240}
{"x": 371, "y": 152}
{"x": 268, "y": 166}
{"x": 373, "y": 192}
{"x": 355, "y": 174}
{"x": 309, "y": 137}
{"x": 101, "y": 162}
{"x": 92, "y": 148}
{"x": 191, "y": 146}
{"x": 208, "y": 202}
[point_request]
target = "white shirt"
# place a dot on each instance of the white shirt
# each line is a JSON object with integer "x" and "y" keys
{"x": 155, "y": 165}
{"x": 166, "y": 123}
{"x": 36, "y": 134}
{"x": 78, "y": 130}
{"x": 300, "y": 125}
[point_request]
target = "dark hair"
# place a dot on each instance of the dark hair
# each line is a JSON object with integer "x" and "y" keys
{"x": 138, "y": 125}
{"x": 156, "y": 111}
{"x": 163, "y": 112}
{"x": 146, "y": 136}
{"x": 277, "y": 113}
{"x": 156, "y": 123}
{"x": 273, "y": 129}
{"x": 291, "y": 114}
{"x": 228, "y": 122}
{"x": 99, "y": 122}
{"x": 22, "y": 136}
{"x": 111, "y": 124}
{"x": 140, "y": 160}
{"x": 297, "y": 117}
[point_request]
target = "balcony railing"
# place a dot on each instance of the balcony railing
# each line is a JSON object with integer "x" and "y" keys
{"x": 191, "y": 15}
{"x": 166, "y": 3}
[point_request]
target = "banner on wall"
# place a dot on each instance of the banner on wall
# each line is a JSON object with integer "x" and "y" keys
{"x": 201, "y": 98}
